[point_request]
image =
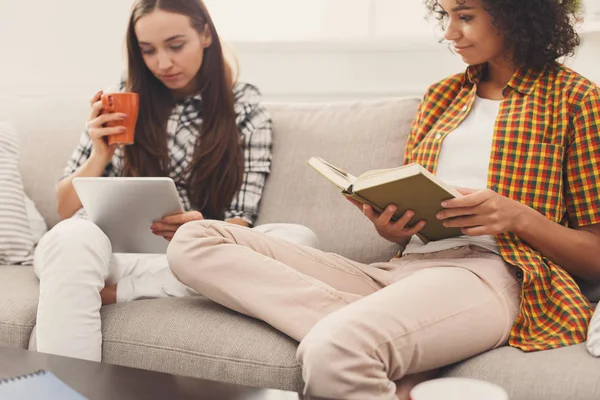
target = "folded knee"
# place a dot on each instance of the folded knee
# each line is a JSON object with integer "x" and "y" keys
{"x": 332, "y": 363}
{"x": 343, "y": 358}
{"x": 67, "y": 242}
{"x": 188, "y": 240}
{"x": 72, "y": 230}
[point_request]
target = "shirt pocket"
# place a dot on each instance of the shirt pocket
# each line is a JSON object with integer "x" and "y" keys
{"x": 540, "y": 178}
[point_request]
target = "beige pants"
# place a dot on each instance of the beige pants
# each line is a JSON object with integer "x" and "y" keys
{"x": 361, "y": 327}
{"x": 74, "y": 261}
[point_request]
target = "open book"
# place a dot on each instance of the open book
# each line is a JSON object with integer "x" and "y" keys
{"x": 410, "y": 187}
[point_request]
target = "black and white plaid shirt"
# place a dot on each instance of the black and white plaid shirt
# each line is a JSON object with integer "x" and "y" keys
{"x": 254, "y": 124}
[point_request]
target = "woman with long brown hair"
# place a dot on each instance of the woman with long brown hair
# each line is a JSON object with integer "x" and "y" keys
{"x": 197, "y": 126}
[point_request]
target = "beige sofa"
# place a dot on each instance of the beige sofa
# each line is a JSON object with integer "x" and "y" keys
{"x": 196, "y": 337}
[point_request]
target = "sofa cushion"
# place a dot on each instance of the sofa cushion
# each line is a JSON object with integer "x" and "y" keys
{"x": 199, "y": 338}
{"x": 47, "y": 139}
{"x": 195, "y": 337}
{"x": 37, "y": 223}
{"x": 354, "y": 136}
{"x": 16, "y": 239}
{"x": 565, "y": 373}
{"x": 18, "y": 304}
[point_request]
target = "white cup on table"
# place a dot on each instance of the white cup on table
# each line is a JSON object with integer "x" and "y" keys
{"x": 457, "y": 389}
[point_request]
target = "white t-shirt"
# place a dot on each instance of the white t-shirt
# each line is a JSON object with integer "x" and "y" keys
{"x": 464, "y": 162}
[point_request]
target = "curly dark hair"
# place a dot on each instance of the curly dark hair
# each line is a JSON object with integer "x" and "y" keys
{"x": 539, "y": 32}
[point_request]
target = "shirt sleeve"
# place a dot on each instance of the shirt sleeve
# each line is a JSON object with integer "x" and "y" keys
{"x": 435, "y": 103}
{"x": 254, "y": 124}
{"x": 412, "y": 136}
{"x": 582, "y": 163}
{"x": 81, "y": 154}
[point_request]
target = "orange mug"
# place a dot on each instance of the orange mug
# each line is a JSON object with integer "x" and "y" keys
{"x": 127, "y": 103}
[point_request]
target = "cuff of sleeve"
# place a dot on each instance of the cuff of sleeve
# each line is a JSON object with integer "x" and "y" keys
{"x": 125, "y": 290}
{"x": 248, "y": 217}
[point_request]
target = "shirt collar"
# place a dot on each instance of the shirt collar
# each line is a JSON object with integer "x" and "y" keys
{"x": 192, "y": 98}
{"x": 523, "y": 81}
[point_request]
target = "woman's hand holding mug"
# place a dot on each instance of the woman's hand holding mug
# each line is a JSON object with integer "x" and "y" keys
{"x": 98, "y": 131}
{"x": 112, "y": 122}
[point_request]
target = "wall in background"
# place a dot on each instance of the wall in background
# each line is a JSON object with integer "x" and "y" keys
{"x": 310, "y": 20}
{"x": 326, "y": 71}
{"x": 56, "y": 47}
{"x": 65, "y": 48}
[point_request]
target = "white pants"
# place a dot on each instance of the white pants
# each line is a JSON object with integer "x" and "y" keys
{"x": 74, "y": 261}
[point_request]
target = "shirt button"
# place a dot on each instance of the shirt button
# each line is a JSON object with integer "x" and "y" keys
{"x": 438, "y": 136}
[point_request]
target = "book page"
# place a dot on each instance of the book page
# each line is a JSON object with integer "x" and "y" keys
{"x": 335, "y": 175}
{"x": 380, "y": 176}
{"x": 374, "y": 172}
{"x": 351, "y": 178}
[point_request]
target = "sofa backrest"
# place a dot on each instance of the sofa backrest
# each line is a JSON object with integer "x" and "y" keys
{"x": 355, "y": 136}
{"x": 49, "y": 130}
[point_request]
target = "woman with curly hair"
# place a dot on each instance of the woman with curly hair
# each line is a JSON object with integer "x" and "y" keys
{"x": 517, "y": 133}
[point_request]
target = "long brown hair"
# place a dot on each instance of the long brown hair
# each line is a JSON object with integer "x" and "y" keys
{"x": 218, "y": 162}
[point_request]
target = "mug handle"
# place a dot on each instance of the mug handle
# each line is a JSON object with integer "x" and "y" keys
{"x": 108, "y": 103}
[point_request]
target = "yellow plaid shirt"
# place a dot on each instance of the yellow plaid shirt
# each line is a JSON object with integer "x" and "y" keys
{"x": 546, "y": 154}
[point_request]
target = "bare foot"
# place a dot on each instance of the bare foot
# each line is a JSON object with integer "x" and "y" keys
{"x": 109, "y": 294}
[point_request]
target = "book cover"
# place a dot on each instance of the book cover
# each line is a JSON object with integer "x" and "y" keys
{"x": 410, "y": 187}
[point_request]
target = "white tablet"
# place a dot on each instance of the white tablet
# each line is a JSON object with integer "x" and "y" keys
{"x": 124, "y": 208}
